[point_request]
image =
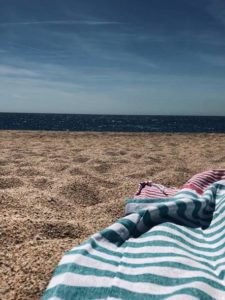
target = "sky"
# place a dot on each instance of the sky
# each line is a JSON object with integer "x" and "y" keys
{"x": 156, "y": 57}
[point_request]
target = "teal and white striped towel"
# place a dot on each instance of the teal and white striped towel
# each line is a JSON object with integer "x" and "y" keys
{"x": 164, "y": 248}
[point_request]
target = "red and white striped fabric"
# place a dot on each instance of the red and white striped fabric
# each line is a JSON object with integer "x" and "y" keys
{"x": 201, "y": 181}
{"x": 148, "y": 189}
{"x": 198, "y": 183}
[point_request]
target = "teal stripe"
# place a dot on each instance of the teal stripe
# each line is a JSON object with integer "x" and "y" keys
{"x": 162, "y": 280}
{"x": 220, "y": 203}
{"x": 169, "y": 216}
{"x": 219, "y": 186}
{"x": 181, "y": 209}
{"x": 195, "y": 213}
{"x": 175, "y": 265}
{"x": 102, "y": 249}
{"x": 160, "y": 233}
{"x": 214, "y": 224}
{"x": 220, "y": 222}
{"x": 81, "y": 293}
{"x": 148, "y": 222}
{"x": 130, "y": 226}
{"x": 149, "y": 200}
{"x": 164, "y": 217}
{"x": 167, "y": 244}
{"x": 109, "y": 252}
{"x": 204, "y": 219}
{"x": 152, "y": 255}
{"x": 99, "y": 248}
{"x": 146, "y": 255}
{"x": 112, "y": 236}
{"x": 90, "y": 293}
{"x": 221, "y": 209}
{"x": 96, "y": 257}
{"x": 193, "y": 237}
{"x": 71, "y": 267}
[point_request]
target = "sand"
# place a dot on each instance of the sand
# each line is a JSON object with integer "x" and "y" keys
{"x": 56, "y": 189}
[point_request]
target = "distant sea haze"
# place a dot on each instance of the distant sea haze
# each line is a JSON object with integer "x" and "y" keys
{"x": 110, "y": 123}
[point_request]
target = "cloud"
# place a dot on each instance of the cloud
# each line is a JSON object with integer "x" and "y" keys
{"x": 16, "y": 71}
{"x": 213, "y": 59}
{"x": 60, "y": 22}
{"x": 104, "y": 91}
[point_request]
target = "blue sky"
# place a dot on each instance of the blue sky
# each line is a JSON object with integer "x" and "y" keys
{"x": 113, "y": 56}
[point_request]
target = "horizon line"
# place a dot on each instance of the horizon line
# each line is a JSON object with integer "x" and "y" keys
{"x": 108, "y": 114}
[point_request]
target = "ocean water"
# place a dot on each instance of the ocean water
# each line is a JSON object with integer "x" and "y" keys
{"x": 116, "y": 123}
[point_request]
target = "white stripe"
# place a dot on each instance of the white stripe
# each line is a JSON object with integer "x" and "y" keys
{"x": 220, "y": 203}
{"x": 150, "y": 288}
{"x": 156, "y": 250}
{"x": 182, "y": 297}
{"x": 172, "y": 211}
{"x": 185, "y": 190}
{"x": 204, "y": 233}
{"x": 108, "y": 298}
{"x": 218, "y": 189}
{"x": 220, "y": 208}
{"x": 178, "y": 234}
{"x": 85, "y": 261}
{"x": 211, "y": 230}
{"x": 99, "y": 254}
{"x": 193, "y": 233}
{"x": 172, "y": 273}
{"x": 133, "y": 217}
{"x": 71, "y": 279}
{"x": 146, "y": 249}
{"x": 77, "y": 280}
{"x": 107, "y": 246}
{"x": 168, "y": 251}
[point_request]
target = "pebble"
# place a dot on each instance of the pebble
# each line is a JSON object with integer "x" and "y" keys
{"x": 51, "y": 199}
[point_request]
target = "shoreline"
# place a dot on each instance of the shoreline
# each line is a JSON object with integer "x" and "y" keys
{"x": 107, "y": 132}
{"x": 58, "y": 188}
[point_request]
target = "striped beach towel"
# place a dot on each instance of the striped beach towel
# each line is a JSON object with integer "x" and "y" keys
{"x": 170, "y": 245}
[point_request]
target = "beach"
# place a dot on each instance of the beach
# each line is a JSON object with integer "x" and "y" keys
{"x": 58, "y": 188}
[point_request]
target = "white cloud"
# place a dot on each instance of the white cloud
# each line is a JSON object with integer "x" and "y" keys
{"x": 129, "y": 94}
{"x": 16, "y": 71}
{"x": 61, "y": 22}
{"x": 213, "y": 59}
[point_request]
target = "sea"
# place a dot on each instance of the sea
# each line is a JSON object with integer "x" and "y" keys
{"x": 111, "y": 123}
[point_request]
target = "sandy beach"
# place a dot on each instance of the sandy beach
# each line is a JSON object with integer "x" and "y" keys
{"x": 58, "y": 188}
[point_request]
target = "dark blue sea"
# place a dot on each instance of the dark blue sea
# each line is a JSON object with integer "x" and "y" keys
{"x": 116, "y": 123}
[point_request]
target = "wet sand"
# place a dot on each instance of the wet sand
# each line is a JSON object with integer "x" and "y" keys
{"x": 56, "y": 189}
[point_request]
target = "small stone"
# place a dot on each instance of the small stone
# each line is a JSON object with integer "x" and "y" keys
{"x": 51, "y": 199}
{"x": 4, "y": 290}
{"x": 37, "y": 237}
